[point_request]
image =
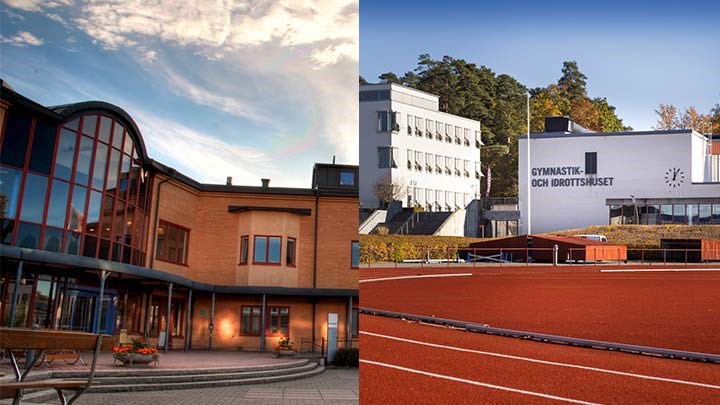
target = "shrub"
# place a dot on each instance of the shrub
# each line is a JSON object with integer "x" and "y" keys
{"x": 349, "y": 357}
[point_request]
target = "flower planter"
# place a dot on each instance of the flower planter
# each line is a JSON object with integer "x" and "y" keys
{"x": 285, "y": 353}
{"x": 136, "y": 358}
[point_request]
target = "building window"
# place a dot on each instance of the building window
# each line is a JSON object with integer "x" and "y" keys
{"x": 290, "y": 252}
{"x": 429, "y": 164}
{"x": 387, "y": 157}
{"x": 387, "y": 121}
{"x": 354, "y": 327}
{"x": 278, "y": 321}
{"x": 250, "y": 320}
{"x": 267, "y": 250}
{"x": 244, "y": 243}
{"x": 410, "y": 159}
{"x": 418, "y": 161}
{"x": 409, "y": 124}
{"x": 418, "y": 126}
{"x": 590, "y": 162}
{"x": 478, "y": 140}
{"x": 466, "y": 139}
{"x": 347, "y": 178}
{"x": 438, "y": 130}
{"x": 172, "y": 243}
{"x": 355, "y": 254}
{"x": 177, "y": 318}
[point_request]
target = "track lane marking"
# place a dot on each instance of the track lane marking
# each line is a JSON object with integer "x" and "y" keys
{"x": 370, "y": 280}
{"x": 478, "y": 383}
{"x": 547, "y": 362}
{"x": 653, "y": 270}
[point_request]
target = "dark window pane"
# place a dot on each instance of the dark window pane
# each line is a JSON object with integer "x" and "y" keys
{"x": 82, "y": 171}
{"x": 107, "y": 216}
{"x": 6, "y": 231}
{"x": 93, "y": 218}
{"x": 590, "y": 162}
{"x": 104, "y": 131}
{"x": 124, "y": 178}
{"x": 9, "y": 191}
{"x": 65, "y": 154}
{"x": 53, "y": 239}
{"x": 260, "y": 249}
{"x": 116, "y": 250}
{"x": 74, "y": 124}
{"x": 72, "y": 245}
{"x": 131, "y": 224}
{"x": 43, "y": 147}
{"x": 347, "y": 178}
{"x": 58, "y": 204}
{"x": 89, "y": 246}
{"x": 138, "y": 228}
{"x": 104, "y": 251}
{"x": 274, "y": 251}
{"x": 117, "y": 140}
{"x": 162, "y": 235}
{"x": 172, "y": 234}
{"x": 243, "y": 249}
{"x": 257, "y": 312}
{"x": 355, "y": 260}
{"x": 15, "y": 140}
{"x": 98, "y": 177}
{"x": 126, "y": 255}
{"x": 77, "y": 208}
{"x": 89, "y": 123}
{"x": 290, "y": 254}
{"x": 113, "y": 170}
{"x": 28, "y": 236}
{"x": 181, "y": 241}
{"x": 120, "y": 226}
{"x": 33, "y": 198}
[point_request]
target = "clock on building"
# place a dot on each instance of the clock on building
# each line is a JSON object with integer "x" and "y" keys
{"x": 674, "y": 177}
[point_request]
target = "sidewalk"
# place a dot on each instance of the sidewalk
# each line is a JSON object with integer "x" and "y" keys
{"x": 334, "y": 386}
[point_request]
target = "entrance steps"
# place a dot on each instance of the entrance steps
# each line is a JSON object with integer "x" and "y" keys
{"x": 149, "y": 379}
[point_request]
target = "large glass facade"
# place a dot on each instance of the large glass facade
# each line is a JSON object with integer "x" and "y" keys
{"x": 679, "y": 214}
{"x": 76, "y": 188}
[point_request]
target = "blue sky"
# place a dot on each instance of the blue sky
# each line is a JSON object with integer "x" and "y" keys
{"x": 247, "y": 89}
{"x": 637, "y": 54}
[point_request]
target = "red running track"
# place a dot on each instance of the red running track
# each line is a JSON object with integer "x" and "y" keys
{"x": 399, "y": 367}
{"x": 673, "y": 310}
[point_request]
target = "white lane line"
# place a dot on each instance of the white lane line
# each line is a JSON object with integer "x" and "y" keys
{"x": 552, "y": 363}
{"x": 481, "y": 384}
{"x": 370, "y": 280}
{"x": 653, "y": 270}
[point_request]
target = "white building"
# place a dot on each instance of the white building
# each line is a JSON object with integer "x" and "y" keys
{"x": 406, "y": 140}
{"x": 581, "y": 178}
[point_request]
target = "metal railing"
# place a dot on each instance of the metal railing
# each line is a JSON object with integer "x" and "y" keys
{"x": 473, "y": 257}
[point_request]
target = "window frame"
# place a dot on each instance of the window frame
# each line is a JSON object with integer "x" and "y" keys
{"x": 268, "y": 322}
{"x": 245, "y": 250}
{"x": 267, "y": 261}
{"x": 352, "y": 253}
{"x": 252, "y": 308}
{"x": 590, "y": 163}
{"x": 186, "y": 248}
{"x": 294, "y": 251}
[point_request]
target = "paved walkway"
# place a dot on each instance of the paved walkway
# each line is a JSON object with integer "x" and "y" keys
{"x": 334, "y": 386}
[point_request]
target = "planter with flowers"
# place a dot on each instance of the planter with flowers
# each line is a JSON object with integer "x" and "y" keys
{"x": 285, "y": 348}
{"x": 136, "y": 352}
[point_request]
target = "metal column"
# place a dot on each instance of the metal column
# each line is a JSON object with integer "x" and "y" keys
{"x": 167, "y": 320}
{"x": 188, "y": 329}
{"x": 349, "y": 323}
{"x": 16, "y": 293}
{"x": 98, "y": 304}
{"x": 263, "y": 320}
{"x": 212, "y": 318}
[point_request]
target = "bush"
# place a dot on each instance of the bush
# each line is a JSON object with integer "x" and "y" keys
{"x": 347, "y": 358}
{"x": 396, "y": 248}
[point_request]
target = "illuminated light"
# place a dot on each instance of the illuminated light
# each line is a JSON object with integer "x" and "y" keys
{"x": 107, "y": 229}
{"x": 129, "y": 222}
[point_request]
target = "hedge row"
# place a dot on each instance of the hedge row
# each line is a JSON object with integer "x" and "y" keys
{"x": 396, "y": 248}
{"x": 647, "y": 236}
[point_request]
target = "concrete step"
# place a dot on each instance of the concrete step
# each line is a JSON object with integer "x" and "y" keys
{"x": 193, "y": 377}
{"x": 132, "y": 380}
{"x": 206, "y": 384}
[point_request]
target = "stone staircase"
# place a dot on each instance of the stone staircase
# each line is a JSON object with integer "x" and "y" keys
{"x": 127, "y": 380}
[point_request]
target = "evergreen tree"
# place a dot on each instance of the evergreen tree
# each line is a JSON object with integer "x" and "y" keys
{"x": 572, "y": 83}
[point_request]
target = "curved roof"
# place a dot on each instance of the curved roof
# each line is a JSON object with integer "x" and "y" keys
{"x": 68, "y": 111}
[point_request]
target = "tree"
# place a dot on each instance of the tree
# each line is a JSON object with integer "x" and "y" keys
{"x": 667, "y": 117}
{"x": 607, "y": 120}
{"x": 701, "y": 123}
{"x": 389, "y": 77}
{"x": 585, "y": 113}
{"x": 572, "y": 83}
{"x": 386, "y": 191}
{"x": 715, "y": 113}
{"x": 544, "y": 103}
{"x": 363, "y": 81}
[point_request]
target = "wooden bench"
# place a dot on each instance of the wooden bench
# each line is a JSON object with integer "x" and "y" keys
{"x": 40, "y": 341}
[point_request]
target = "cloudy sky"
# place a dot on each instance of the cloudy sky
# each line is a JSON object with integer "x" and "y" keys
{"x": 218, "y": 88}
{"x": 637, "y": 54}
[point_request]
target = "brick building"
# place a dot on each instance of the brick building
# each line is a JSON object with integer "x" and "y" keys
{"x": 86, "y": 213}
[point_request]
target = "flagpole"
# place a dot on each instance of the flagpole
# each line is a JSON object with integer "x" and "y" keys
{"x": 529, "y": 229}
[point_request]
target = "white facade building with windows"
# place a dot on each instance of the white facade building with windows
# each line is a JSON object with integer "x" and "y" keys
{"x": 405, "y": 139}
{"x": 579, "y": 179}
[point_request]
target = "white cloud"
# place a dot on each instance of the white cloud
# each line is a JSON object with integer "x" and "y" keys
{"x": 36, "y": 5}
{"x": 22, "y": 38}
{"x": 203, "y": 157}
